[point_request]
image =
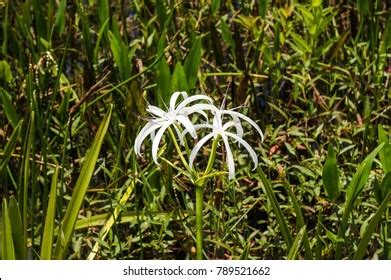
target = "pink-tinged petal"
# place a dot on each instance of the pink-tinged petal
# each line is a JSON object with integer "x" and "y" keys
{"x": 197, "y": 147}
{"x": 149, "y": 128}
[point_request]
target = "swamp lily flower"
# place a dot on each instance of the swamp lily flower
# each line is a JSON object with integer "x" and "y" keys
{"x": 175, "y": 115}
{"x": 220, "y": 129}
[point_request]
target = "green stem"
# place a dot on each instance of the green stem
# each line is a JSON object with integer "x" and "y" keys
{"x": 212, "y": 156}
{"x": 199, "y": 207}
{"x": 179, "y": 150}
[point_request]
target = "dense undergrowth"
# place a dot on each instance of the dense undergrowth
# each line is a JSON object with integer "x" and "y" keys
{"x": 76, "y": 77}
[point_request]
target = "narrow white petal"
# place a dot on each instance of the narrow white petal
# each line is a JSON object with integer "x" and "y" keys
{"x": 188, "y": 125}
{"x": 175, "y": 96}
{"x": 192, "y": 99}
{"x": 230, "y": 158}
{"x": 156, "y": 141}
{"x": 247, "y": 119}
{"x": 198, "y": 146}
{"x": 155, "y": 111}
{"x": 247, "y": 147}
{"x": 145, "y": 131}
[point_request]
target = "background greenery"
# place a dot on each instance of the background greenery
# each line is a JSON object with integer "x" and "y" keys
{"x": 76, "y": 77}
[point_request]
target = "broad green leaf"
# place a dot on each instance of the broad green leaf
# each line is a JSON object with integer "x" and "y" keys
{"x": 179, "y": 82}
{"x": 82, "y": 183}
{"x": 227, "y": 35}
{"x": 362, "y": 246}
{"x": 215, "y": 6}
{"x": 17, "y": 229}
{"x": 48, "y": 230}
{"x": 8, "y": 250}
{"x": 192, "y": 63}
{"x": 330, "y": 175}
{"x": 385, "y": 153}
{"x": 9, "y": 108}
{"x": 121, "y": 55}
{"x": 302, "y": 169}
{"x": 363, "y": 6}
{"x": 316, "y": 3}
{"x": 164, "y": 81}
{"x": 296, "y": 244}
{"x": 262, "y": 8}
{"x": 5, "y": 72}
{"x": 59, "y": 24}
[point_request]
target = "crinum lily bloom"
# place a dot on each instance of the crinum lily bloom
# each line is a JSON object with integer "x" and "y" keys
{"x": 221, "y": 129}
{"x": 176, "y": 115}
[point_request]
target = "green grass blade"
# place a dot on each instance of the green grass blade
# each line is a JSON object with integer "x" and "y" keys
{"x": 385, "y": 153}
{"x": 9, "y": 108}
{"x": 300, "y": 221}
{"x": 362, "y": 246}
{"x": 354, "y": 189}
{"x": 330, "y": 175}
{"x": 110, "y": 222}
{"x": 9, "y": 148}
{"x": 296, "y": 244}
{"x": 192, "y": 63}
{"x": 80, "y": 189}
{"x": 17, "y": 229}
{"x": 8, "y": 250}
{"x": 48, "y": 231}
{"x": 262, "y": 8}
{"x": 103, "y": 12}
{"x": 59, "y": 24}
{"x": 24, "y": 192}
{"x": 277, "y": 210}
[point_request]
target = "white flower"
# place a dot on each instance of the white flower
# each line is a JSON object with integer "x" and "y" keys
{"x": 221, "y": 129}
{"x": 176, "y": 114}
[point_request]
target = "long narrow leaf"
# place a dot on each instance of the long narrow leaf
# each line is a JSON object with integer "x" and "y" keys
{"x": 8, "y": 250}
{"x": 9, "y": 148}
{"x": 362, "y": 246}
{"x": 48, "y": 231}
{"x": 17, "y": 229}
{"x": 277, "y": 210}
{"x": 354, "y": 189}
{"x": 110, "y": 222}
{"x": 296, "y": 244}
{"x": 79, "y": 192}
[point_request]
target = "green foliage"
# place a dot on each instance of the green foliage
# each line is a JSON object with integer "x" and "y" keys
{"x": 314, "y": 75}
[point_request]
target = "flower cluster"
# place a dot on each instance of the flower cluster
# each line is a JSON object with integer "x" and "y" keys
{"x": 179, "y": 116}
